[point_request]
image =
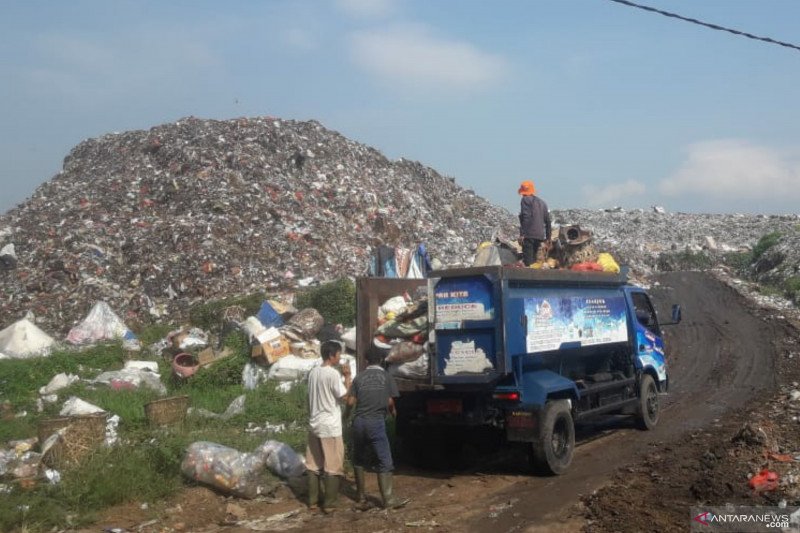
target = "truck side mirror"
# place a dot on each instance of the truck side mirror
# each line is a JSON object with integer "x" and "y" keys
{"x": 676, "y": 313}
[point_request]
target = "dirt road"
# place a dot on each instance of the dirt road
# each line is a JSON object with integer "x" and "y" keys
{"x": 721, "y": 357}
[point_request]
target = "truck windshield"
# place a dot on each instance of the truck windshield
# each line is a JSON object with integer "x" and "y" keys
{"x": 645, "y": 313}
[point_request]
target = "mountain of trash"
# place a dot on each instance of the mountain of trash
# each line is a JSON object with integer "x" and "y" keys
{"x": 153, "y": 221}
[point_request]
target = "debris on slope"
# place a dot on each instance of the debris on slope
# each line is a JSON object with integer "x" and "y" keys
{"x": 152, "y": 221}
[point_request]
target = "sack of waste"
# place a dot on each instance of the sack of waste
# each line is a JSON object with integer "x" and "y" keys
{"x": 282, "y": 460}
{"x": 228, "y": 470}
{"x": 606, "y": 261}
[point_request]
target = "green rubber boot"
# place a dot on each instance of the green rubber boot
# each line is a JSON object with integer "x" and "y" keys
{"x": 313, "y": 490}
{"x": 361, "y": 495}
{"x": 331, "y": 496}
{"x": 387, "y": 494}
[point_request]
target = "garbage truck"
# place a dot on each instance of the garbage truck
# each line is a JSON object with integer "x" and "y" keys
{"x": 528, "y": 353}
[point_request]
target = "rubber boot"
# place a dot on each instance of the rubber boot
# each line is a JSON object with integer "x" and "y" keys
{"x": 313, "y": 491}
{"x": 331, "y": 496}
{"x": 385, "y": 484}
{"x": 361, "y": 496}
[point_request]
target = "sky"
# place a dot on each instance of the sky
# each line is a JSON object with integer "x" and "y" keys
{"x": 600, "y": 104}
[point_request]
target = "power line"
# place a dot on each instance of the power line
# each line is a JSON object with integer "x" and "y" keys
{"x": 707, "y": 25}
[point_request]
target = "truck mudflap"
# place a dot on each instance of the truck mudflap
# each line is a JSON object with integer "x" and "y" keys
{"x": 522, "y": 426}
{"x": 539, "y": 385}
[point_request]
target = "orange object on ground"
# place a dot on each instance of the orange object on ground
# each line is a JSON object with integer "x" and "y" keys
{"x": 765, "y": 480}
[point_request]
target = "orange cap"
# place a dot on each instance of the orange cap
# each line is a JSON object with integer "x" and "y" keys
{"x": 527, "y": 188}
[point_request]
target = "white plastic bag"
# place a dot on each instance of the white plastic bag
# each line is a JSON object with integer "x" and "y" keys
{"x": 282, "y": 460}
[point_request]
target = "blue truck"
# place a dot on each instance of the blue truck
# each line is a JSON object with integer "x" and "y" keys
{"x": 528, "y": 353}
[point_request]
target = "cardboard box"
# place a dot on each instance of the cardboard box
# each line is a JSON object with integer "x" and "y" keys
{"x": 271, "y": 345}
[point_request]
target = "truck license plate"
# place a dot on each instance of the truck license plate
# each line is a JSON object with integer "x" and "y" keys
{"x": 444, "y": 406}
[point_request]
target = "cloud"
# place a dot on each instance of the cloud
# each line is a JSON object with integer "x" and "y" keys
{"x": 732, "y": 169}
{"x": 411, "y": 57}
{"x": 612, "y": 193}
{"x": 367, "y": 8}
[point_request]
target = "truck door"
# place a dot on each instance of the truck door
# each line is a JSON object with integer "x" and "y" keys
{"x": 649, "y": 345}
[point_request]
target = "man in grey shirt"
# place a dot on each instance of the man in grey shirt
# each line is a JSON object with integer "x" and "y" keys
{"x": 373, "y": 392}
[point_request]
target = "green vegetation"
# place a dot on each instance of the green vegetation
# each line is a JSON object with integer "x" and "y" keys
{"x": 685, "y": 260}
{"x": 791, "y": 287}
{"x": 765, "y": 243}
{"x": 738, "y": 261}
{"x": 335, "y": 301}
{"x": 145, "y": 465}
{"x": 209, "y": 315}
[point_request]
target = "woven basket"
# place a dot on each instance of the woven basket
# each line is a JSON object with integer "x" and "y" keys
{"x": 167, "y": 411}
{"x": 82, "y": 435}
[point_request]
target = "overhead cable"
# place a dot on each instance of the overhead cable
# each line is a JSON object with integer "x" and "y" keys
{"x": 707, "y": 24}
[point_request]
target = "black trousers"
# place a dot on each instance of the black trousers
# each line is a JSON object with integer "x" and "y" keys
{"x": 529, "y": 248}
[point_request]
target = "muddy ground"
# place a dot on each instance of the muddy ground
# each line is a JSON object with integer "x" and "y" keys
{"x": 729, "y": 365}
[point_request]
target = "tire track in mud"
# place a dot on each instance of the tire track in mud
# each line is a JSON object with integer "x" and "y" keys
{"x": 720, "y": 357}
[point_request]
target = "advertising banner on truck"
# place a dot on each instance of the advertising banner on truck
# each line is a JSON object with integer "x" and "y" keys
{"x": 463, "y": 299}
{"x": 557, "y": 318}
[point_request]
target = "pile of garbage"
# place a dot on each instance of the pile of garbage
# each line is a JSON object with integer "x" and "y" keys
{"x": 154, "y": 221}
{"x": 402, "y": 335}
{"x": 639, "y": 237}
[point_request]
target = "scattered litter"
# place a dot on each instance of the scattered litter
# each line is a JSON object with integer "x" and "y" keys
{"x": 53, "y": 476}
{"x": 131, "y": 378}
{"x": 23, "y": 340}
{"x": 236, "y": 473}
{"x": 423, "y": 523}
{"x": 766, "y": 480}
{"x": 59, "y": 381}
{"x": 111, "y": 434}
{"x": 253, "y": 375}
{"x": 75, "y": 406}
{"x": 102, "y": 324}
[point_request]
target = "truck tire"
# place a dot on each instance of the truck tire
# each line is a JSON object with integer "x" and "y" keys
{"x": 552, "y": 452}
{"x": 647, "y": 417}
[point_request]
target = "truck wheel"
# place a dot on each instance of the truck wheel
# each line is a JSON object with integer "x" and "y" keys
{"x": 647, "y": 417}
{"x": 552, "y": 453}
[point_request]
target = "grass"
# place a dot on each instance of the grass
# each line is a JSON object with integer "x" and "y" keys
{"x": 765, "y": 243}
{"x": 146, "y": 459}
{"x": 335, "y": 301}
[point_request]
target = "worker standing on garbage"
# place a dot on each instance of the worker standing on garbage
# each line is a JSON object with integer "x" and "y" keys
{"x": 325, "y": 451}
{"x": 534, "y": 222}
{"x": 373, "y": 394}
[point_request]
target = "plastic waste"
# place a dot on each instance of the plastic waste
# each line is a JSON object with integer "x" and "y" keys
{"x": 416, "y": 369}
{"x": 102, "y": 324}
{"x": 405, "y": 352}
{"x": 253, "y": 375}
{"x": 131, "y": 378}
{"x": 23, "y": 340}
{"x": 608, "y": 263}
{"x": 282, "y": 460}
{"x": 227, "y": 469}
{"x": 74, "y": 406}
{"x": 291, "y": 368}
{"x": 268, "y": 316}
{"x": 349, "y": 338}
{"x": 766, "y": 480}
{"x": 306, "y": 323}
{"x": 59, "y": 381}
{"x": 395, "y": 304}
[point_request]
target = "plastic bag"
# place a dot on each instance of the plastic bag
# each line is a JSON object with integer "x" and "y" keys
{"x": 227, "y": 469}
{"x": 291, "y": 367}
{"x": 75, "y": 406}
{"x": 405, "y": 352}
{"x": 606, "y": 261}
{"x": 253, "y": 375}
{"x": 59, "y": 381}
{"x": 396, "y": 305}
{"x": 414, "y": 370}
{"x": 131, "y": 378}
{"x": 306, "y": 323}
{"x": 282, "y": 460}
{"x": 102, "y": 323}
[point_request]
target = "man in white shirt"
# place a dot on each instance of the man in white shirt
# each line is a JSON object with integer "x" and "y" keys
{"x": 325, "y": 451}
